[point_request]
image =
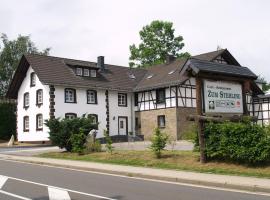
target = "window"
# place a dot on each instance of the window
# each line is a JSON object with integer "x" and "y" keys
{"x": 39, "y": 122}
{"x": 70, "y": 115}
{"x": 25, "y": 123}
{"x": 79, "y": 71}
{"x": 161, "y": 121}
{"x": 94, "y": 117}
{"x": 26, "y": 100}
{"x": 70, "y": 95}
{"x": 39, "y": 97}
{"x": 160, "y": 95}
{"x": 136, "y": 97}
{"x": 91, "y": 97}
{"x": 33, "y": 79}
{"x": 122, "y": 99}
{"x": 86, "y": 72}
{"x": 93, "y": 73}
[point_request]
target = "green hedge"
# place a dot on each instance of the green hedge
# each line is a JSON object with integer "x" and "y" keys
{"x": 7, "y": 120}
{"x": 243, "y": 142}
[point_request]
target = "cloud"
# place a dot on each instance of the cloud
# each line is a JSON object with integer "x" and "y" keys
{"x": 85, "y": 29}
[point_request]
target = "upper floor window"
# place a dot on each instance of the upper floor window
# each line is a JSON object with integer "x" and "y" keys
{"x": 79, "y": 71}
{"x": 25, "y": 123}
{"x": 160, "y": 95}
{"x": 32, "y": 79}
{"x": 122, "y": 99}
{"x": 91, "y": 97}
{"x": 93, "y": 73}
{"x": 136, "y": 98}
{"x": 86, "y": 72}
{"x": 39, "y": 97}
{"x": 39, "y": 121}
{"x": 70, "y": 95}
{"x": 70, "y": 115}
{"x": 161, "y": 121}
{"x": 26, "y": 100}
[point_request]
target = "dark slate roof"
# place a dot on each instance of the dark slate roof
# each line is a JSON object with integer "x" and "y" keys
{"x": 162, "y": 75}
{"x": 199, "y": 66}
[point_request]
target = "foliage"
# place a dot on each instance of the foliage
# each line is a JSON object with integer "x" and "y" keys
{"x": 242, "y": 142}
{"x": 61, "y": 130}
{"x": 10, "y": 55}
{"x": 8, "y": 120}
{"x": 265, "y": 84}
{"x": 92, "y": 146}
{"x": 159, "y": 141}
{"x": 158, "y": 41}
{"x": 108, "y": 145}
{"x": 77, "y": 141}
{"x": 190, "y": 132}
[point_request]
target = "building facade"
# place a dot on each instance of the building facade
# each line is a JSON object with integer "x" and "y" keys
{"x": 122, "y": 100}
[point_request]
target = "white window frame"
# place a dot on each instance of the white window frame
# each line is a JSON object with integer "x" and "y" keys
{"x": 32, "y": 79}
{"x": 70, "y": 95}
{"x": 26, "y": 100}
{"x": 26, "y": 123}
{"x": 79, "y": 71}
{"x": 93, "y": 73}
{"x": 84, "y": 72}
{"x": 39, "y": 97}
{"x": 122, "y": 99}
{"x": 161, "y": 123}
{"x": 91, "y": 97}
{"x": 39, "y": 121}
{"x": 70, "y": 115}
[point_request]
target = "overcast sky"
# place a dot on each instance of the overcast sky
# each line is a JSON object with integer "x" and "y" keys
{"x": 85, "y": 29}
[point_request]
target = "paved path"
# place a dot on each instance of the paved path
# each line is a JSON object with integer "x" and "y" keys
{"x": 30, "y": 181}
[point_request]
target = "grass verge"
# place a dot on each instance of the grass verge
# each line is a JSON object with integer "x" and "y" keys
{"x": 177, "y": 160}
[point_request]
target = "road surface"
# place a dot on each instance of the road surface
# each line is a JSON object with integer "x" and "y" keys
{"x": 31, "y": 181}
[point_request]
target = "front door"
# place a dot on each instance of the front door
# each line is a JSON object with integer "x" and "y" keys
{"x": 122, "y": 125}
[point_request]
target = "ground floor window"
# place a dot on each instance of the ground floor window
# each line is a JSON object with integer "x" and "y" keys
{"x": 70, "y": 115}
{"x": 161, "y": 121}
{"x": 39, "y": 122}
{"x": 26, "y": 123}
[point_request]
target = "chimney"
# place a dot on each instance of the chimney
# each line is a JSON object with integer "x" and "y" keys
{"x": 169, "y": 58}
{"x": 100, "y": 63}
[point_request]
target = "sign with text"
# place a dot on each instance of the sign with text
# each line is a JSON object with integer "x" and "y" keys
{"x": 222, "y": 97}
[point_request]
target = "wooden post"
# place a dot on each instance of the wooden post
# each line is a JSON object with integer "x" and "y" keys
{"x": 200, "y": 122}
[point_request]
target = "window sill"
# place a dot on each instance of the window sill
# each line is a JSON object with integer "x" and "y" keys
{"x": 39, "y": 104}
{"x": 122, "y": 105}
{"x": 70, "y": 102}
{"x": 26, "y": 130}
{"x": 162, "y": 127}
{"x": 26, "y": 107}
{"x": 39, "y": 129}
{"x": 92, "y": 103}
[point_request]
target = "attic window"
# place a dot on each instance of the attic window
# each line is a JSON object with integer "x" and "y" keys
{"x": 150, "y": 76}
{"x": 132, "y": 76}
{"x": 93, "y": 73}
{"x": 79, "y": 71}
{"x": 171, "y": 72}
{"x": 86, "y": 72}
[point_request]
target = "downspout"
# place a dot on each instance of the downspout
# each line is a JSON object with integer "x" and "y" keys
{"x": 132, "y": 113}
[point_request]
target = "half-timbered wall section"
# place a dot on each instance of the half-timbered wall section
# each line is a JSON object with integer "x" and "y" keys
{"x": 183, "y": 95}
{"x": 260, "y": 108}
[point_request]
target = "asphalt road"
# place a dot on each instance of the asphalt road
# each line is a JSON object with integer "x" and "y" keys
{"x": 31, "y": 181}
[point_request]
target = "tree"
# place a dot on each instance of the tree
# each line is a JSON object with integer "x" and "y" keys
{"x": 11, "y": 52}
{"x": 265, "y": 84}
{"x": 159, "y": 141}
{"x": 158, "y": 41}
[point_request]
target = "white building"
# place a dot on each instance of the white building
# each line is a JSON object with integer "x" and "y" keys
{"x": 122, "y": 100}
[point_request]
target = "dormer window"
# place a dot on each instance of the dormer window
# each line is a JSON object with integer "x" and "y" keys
{"x": 86, "y": 72}
{"x": 93, "y": 73}
{"x": 33, "y": 79}
{"x": 79, "y": 71}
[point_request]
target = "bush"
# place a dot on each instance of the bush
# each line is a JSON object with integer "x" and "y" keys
{"x": 108, "y": 145}
{"x": 242, "y": 142}
{"x": 92, "y": 146}
{"x": 61, "y": 130}
{"x": 77, "y": 142}
{"x": 159, "y": 141}
{"x": 8, "y": 120}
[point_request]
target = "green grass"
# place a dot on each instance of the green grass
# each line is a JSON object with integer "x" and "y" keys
{"x": 176, "y": 160}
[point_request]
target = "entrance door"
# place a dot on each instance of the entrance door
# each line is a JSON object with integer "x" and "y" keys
{"x": 122, "y": 126}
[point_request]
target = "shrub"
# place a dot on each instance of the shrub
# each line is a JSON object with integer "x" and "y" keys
{"x": 92, "y": 146}
{"x": 8, "y": 120}
{"x": 159, "y": 141}
{"x": 242, "y": 142}
{"x": 61, "y": 130}
{"x": 77, "y": 142}
{"x": 108, "y": 145}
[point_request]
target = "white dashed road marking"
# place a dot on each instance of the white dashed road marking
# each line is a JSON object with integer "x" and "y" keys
{"x": 57, "y": 194}
{"x": 3, "y": 180}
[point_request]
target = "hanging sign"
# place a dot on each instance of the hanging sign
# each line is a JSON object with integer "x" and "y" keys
{"x": 222, "y": 97}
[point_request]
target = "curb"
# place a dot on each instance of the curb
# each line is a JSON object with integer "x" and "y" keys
{"x": 250, "y": 188}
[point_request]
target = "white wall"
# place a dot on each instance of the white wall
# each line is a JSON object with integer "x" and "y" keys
{"x": 81, "y": 107}
{"x": 33, "y": 110}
